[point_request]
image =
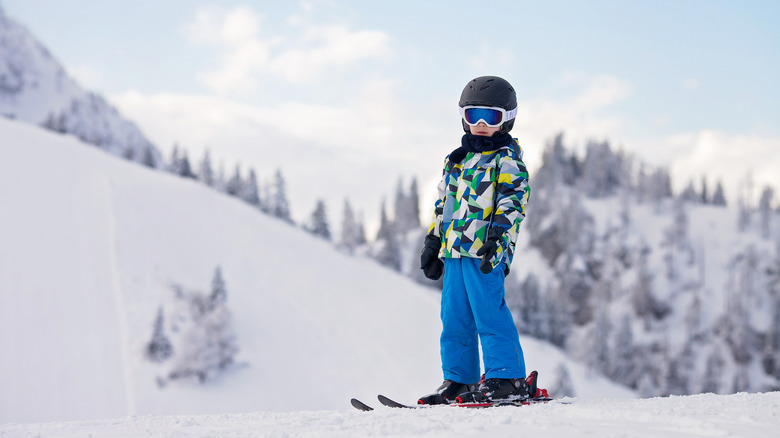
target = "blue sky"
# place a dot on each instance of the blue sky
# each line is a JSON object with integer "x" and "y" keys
{"x": 687, "y": 84}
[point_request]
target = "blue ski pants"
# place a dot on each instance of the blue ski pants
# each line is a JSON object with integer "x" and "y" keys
{"x": 473, "y": 310}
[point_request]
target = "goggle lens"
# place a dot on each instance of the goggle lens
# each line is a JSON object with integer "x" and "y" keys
{"x": 491, "y": 117}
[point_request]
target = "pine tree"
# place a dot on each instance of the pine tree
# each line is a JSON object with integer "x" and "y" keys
{"x": 623, "y": 367}
{"x": 185, "y": 170}
{"x": 413, "y": 199}
{"x": 361, "y": 230}
{"x": 719, "y": 198}
{"x": 349, "y": 229}
{"x": 401, "y": 210}
{"x": 218, "y": 296}
{"x": 267, "y": 198}
{"x": 705, "y": 198}
{"x": 235, "y": 183}
{"x": 524, "y": 300}
{"x": 250, "y": 192}
{"x": 319, "y": 221}
{"x": 384, "y": 223}
{"x": 148, "y": 159}
{"x": 765, "y": 211}
{"x": 689, "y": 194}
{"x": 220, "y": 183}
{"x": 129, "y": 153}
{"x": 206, "y": 172}
{"x": 407, "y": 208}
{"x": 713, "y": 373}
{"x": 563, "y": 387}
{"x": 209, "y": 343}
{"x": 389, "y": 253}
{"x": 280, "y": 207}
{"x": 159, "y": 349}
{"x": 174, "y": 166}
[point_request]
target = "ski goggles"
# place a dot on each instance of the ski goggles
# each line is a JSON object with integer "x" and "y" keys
{"x": 490, "y": 115}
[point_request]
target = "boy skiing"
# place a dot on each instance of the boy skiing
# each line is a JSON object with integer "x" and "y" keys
{"x": 482, "y": 198}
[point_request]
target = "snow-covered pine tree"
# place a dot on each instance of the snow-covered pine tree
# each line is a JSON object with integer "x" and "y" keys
{"x": 206, "y": 170}
{"x": 623, "y": 365}
{"x": 129, "y": 153}
{"x": 148, "y": 158}
{"x": 250, "y": 192}
{"x": 705, "y": 194}
{"x": 689, "y": 194}
{"x": 174, "y": 165}
{"x": 765, "y": 211}
{"x": 218, "y": 295}
{"x": 361, "y": 230}
{"x": 407, "y": 207}
{"x": 319, "y": 221}
{"x": 525, "y": 301}
{"x": 280, "y": 206}
{"x": 603, "y": 171}
{"x": 159, "y": 348}
{"x": 185, "y": 169}
{"x": 413, "y": 199}
{"x": 349, "y": 229}
{"x": 235, "y": 183}
{"x": 719, "y": 197}
{"x": 401, "y": 207}
{"x": 713, "y": 371}
{"x": 385, "y": 228}
{"x": 389, "y": 253}
{"x": 563, "y": 386}
{"x": 388, "y": 248}
{"x": 771, "y": 353}
{"x": 208, "y": 344}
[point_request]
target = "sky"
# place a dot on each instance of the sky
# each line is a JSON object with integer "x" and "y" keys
{"x": 690, "y": 85}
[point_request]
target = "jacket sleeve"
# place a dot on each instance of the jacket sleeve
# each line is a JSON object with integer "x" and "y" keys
{"x": 438, "y": 207}
{"x": 512, "y": 192}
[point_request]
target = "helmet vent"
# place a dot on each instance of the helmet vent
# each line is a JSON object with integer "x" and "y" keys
{"x": 486, "y": 85}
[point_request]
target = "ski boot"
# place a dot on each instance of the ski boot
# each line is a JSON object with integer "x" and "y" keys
{"x": 502, "y": 389}
{"x": 446, "y": 393}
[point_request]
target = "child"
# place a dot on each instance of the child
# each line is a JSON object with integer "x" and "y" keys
{"x": 482, "y": 197}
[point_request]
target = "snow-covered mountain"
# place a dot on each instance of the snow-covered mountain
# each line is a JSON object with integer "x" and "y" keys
{"x": 35, "y": 88}
{"x": 668, "y": 294}
{"x": 92, "y": 247}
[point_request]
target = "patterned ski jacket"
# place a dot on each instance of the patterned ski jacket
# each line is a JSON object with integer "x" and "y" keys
{"x": 485, "y": 189}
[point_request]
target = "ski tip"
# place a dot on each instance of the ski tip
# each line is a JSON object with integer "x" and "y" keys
{"x": 391, "y": 403}
{"x": 359, "y": 405}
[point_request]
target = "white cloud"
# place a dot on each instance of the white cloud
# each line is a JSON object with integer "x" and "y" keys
{"x": 356, "y": 150}
{"x": 583, "y": 115}
{"x": 728, "y": 157}
{"x": 298, "y": 52}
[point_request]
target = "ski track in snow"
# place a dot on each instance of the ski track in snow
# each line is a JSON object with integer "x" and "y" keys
{"x": 704, "y": 415}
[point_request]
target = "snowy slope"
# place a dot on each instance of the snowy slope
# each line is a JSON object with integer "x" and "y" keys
{"x": 34, "y": 87}
{"x": 91, "y": 246}
{"x": 742, "y": 415}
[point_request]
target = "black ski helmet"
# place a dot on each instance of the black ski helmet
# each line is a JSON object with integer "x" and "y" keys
{"x": 489, "y": 91}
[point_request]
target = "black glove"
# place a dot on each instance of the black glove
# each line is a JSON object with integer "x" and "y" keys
{"x": 491, "y": 251}
{"x": 430, "y": 263}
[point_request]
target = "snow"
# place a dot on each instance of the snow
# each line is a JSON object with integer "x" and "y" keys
{"x": 35, "y": 87}
{"x": 748, "y": 415}
{"x": 91, "y": 247}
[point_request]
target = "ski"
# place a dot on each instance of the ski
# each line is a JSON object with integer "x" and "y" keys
{"x": 359, "y": 405}
{"x": 488, "y": 404}
{"x": 390, "y": 403}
